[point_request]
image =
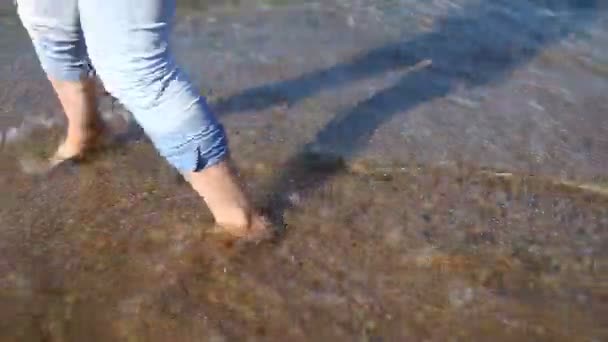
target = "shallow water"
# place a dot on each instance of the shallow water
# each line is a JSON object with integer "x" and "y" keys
{"x": 440, "y": 167}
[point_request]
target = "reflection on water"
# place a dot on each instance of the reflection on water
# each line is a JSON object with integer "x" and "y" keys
{"x": 426, "y": 156}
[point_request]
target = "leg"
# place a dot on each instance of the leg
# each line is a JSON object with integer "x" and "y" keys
{"x": 85, "y": 127}
{"x": 220, "y": 188}
{"x": 54, "y": 28}
{"x": 128, "y": 45}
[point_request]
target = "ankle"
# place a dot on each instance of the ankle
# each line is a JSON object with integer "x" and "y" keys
{"x": 83, "y": 133}
{"x": 74, "y": 140}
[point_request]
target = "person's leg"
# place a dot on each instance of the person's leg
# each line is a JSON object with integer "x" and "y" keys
{"x": 128, "y": 43}
{"x": 54, "y": 28}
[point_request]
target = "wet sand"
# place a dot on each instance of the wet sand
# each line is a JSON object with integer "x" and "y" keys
{"x": 426, "y": 159}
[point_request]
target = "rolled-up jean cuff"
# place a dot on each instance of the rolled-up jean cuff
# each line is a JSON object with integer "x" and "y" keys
{"x": 64, "y": 66}
{"x": 194, "y": 152}
{"x": 57, "y": 72}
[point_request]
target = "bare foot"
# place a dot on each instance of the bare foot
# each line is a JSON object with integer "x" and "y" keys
{"x": 72, "y": 149}
{"x": 256, "y": 231}
{"x": 220, "y": 188}
{"x": 85, "y": 127}
{"x": 77, "y": 149}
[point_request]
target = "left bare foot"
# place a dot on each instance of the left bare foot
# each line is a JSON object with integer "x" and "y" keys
{"x": 70, "y": 150}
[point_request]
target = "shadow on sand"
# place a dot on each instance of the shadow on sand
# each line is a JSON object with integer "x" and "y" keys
{"x": 474, "y": 46}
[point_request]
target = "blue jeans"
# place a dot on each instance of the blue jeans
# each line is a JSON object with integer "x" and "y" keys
{"x": 127, "y": 42}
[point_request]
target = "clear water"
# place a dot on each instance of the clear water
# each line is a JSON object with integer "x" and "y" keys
{"x": 440, "y": 166}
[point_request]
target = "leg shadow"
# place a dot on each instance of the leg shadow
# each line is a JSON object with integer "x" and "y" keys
{"x": 477, "y": 46}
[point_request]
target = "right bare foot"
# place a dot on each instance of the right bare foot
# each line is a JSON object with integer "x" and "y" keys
{"x": 220, "y": 188}
{"x": 257, "y": 230}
